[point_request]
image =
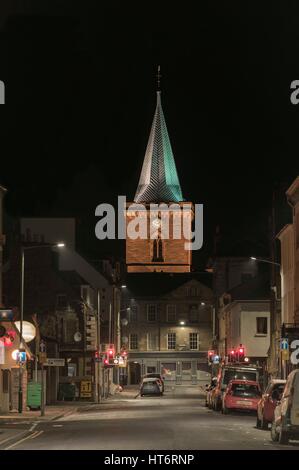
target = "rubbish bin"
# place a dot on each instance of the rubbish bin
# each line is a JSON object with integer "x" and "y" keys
{"x": 34, "y": 395}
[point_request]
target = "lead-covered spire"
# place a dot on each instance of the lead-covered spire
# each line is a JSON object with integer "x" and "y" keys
{"x": 159, "y": 180}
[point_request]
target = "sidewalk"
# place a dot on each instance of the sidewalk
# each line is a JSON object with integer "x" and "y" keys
{"x": 129, "y": 391}
{"x": 52, "y": 412}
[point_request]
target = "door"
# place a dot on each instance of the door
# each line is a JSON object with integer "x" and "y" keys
{"x": 135, "y": 373}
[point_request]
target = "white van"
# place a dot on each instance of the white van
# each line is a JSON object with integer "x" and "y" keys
{"x": 285, "y": 425}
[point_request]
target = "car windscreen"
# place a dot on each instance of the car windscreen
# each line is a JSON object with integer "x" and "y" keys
{"x": 239, "y": 375}
{"x": 245, "y": 391}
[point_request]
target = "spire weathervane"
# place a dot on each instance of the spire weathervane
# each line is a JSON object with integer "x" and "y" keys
{"x": 158, "y": 78}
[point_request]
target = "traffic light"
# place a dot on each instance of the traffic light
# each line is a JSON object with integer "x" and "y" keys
{"x": 241, "y": 353}
{"x": 106, "y": 362}
{"x": 111, "y": 354}
{"x": 211, "y": 354}
{"x": 232, "y": 355}
{"x": 97, "y": 356}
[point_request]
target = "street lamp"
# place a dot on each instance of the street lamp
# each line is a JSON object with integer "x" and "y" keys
{"x": 23, "y": 248}
{"x": 261, "y": 260}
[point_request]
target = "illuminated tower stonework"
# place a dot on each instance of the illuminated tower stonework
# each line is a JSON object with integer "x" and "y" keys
{"x": 159, "y": 184}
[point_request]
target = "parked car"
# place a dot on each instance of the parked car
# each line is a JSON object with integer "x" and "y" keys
{"x": 232, "y": 372}
{"x": 267, "y": 404}
{"x": 155, "y": 376}
{"x": 151, "y": 386}
{"x": 285, "y": 423}
{"x": 209, "y": 389}
{"x": 241, "y": 395}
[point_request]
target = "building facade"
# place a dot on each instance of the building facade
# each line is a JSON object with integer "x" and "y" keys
{"x": 168, "y": 329}
{"x": 244, "y": 319}
{"x": 289, "y": 271}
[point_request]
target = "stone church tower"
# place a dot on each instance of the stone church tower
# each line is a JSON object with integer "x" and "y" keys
{"x": 159, "y": 184}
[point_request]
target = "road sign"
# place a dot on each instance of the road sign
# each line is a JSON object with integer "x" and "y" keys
{"x": 21, "y": 357}
{"x": 85, "y": 389}
{"x": 6, "y": 315}
{"x": 42, "y": 357}
{"x": 285, "y": 354}
{"x": 42, "y": 346}
{"x": 55, "y": 362}
{"x": 284, "y": 344}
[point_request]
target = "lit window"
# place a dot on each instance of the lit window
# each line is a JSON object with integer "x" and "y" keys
{"x": 193, "y": 340}
{"x": 133, "y": 341}
{"x": 171, "y": 341}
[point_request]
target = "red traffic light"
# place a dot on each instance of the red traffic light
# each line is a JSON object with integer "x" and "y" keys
{"x": 241, "y": 350}
{"x": 110, "y": 352}
{"x": 232, "y": 352}
{"x": 106, "y": 362}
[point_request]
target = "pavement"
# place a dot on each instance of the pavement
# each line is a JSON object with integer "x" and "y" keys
{"x": 178, "y": 420}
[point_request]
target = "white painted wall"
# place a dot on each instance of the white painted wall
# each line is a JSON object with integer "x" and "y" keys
{"x": 255, "y": 345}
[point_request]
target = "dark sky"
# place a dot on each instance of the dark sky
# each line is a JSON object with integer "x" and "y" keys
{"x": 80, "y": 84}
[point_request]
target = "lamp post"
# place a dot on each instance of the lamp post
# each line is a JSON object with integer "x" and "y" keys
{"x": 23, "y": 248}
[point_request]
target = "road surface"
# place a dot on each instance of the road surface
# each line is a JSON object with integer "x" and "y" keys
{"x": 177, "y": 421}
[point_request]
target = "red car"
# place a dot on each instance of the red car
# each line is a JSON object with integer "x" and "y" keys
{"x": 267, "y": 404}
{"x": 241, "y": 395}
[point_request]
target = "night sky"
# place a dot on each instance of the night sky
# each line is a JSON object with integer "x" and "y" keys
{"x": 80, "y": 93}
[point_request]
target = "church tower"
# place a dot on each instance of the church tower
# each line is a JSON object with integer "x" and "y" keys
{"x": 159, "y": 184}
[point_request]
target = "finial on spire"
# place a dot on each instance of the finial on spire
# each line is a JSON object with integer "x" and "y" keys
{"x": 158, "y": 78}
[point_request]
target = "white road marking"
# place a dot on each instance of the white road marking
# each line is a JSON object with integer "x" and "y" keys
{"x": 21, "y": 440}
{"x": 38, "y": 433}
{"x": 57, "y": 425}
{"x": 11, "y": 437}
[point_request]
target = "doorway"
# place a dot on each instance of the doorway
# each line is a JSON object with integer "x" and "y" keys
{"x": 135, "y": 373}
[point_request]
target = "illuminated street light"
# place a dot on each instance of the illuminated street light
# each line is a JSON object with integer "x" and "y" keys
{"x": 182, "y": 323}
{"x": 261, "y": 260}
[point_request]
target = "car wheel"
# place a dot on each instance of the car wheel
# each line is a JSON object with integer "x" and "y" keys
{"x": 283, "y": 437}
{"x": 264, "y": 424}
{"x": 258, "y": 423}
{"x": 274, "y": 433}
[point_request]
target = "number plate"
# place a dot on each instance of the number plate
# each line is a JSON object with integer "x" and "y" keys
{"x": 243, "y": 402}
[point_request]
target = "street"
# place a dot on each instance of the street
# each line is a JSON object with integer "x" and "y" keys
{"x": 178, "y": 420}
